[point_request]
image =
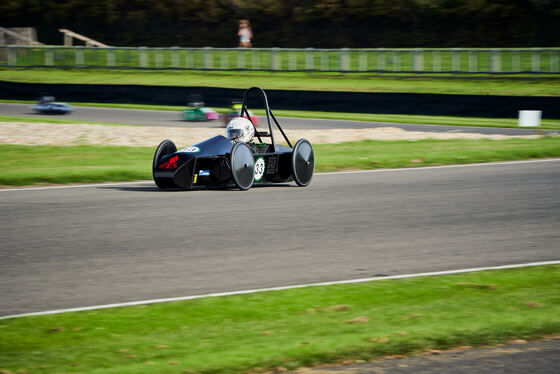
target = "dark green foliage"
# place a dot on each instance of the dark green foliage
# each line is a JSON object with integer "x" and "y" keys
{"x": 291, "y": 23}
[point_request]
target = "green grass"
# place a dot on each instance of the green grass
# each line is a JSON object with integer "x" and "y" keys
{"x": 371, "y": 154}
{"x": 289, "y": 329}
{"x": 355, "y": 82}
{"x": 27, "y": 165}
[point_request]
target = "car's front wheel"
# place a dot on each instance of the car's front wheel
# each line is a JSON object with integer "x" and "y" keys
{"x": 165, "y": 148}
{"x": 242, "y": 166}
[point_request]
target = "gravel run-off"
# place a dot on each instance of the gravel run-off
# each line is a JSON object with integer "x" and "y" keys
{"x": 147, "y": 136}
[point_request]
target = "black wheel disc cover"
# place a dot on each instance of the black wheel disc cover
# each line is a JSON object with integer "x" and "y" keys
{"x": 165, "y": 148}
{"x": 303, "y": 162}
{"x": 242, "y": 166}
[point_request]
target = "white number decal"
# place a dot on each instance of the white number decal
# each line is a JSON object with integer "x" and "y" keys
{"x": 190, "y": 150}
{"x": 259, "y": 169}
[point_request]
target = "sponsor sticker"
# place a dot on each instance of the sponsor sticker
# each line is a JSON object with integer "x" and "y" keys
{"x": 259, "y": 169}
{"x": 190, "y": 150}
{"x": 204, "y": 173}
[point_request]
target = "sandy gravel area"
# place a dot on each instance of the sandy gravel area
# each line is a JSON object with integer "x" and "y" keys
{"x": 74, "y": 134}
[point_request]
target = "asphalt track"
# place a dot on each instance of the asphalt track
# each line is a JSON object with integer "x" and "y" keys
{"x": 170, "y": 118}
{"x": 91, "y": 245}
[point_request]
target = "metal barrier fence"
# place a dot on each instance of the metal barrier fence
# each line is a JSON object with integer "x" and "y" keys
{"x": 402, "y": 60}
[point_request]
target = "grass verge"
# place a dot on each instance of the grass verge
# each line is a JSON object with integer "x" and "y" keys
{"x": 358, "y": 82}
{"x": 371, "y": 154}
{"x": 26, "y": 165}
{"x": 289, "y": 329}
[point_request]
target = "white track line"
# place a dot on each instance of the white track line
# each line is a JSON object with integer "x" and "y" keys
{"x": 420, "y": 168}
{"x": 244, "y": 292}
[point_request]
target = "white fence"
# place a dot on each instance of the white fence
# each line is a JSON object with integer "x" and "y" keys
{"x": 402, "y": 60}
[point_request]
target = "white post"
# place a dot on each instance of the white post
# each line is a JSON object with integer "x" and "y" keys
{"x": 224, "y": 59}
{"x": 535, "y": 60}
{"x": 206, "y": 57}
{"x": 67, "y": 40}
{"x": 436, "y": 61}
{"x": 79, "y": 57}
{"x": 256, "y": 63}
{"x": 324, "y": 61}
{"x": 240, "y": 58}
{"x": 49, "y": 58}
{"x": 175, "y": 57}
{"x": 515, "y": 62}
{"x": 530, "y": 118}
{"x": 496, "y": 66}
{"x": 396, "y": 61}
{"x": 309, "y": 60}
{"x": 111, "y": 57}
{"x": 380, "y": 59}
{"x": 363, "y": 61}
{"x": 418, "y": 60}
{"x": 11, "y": 56}
{"x": 554, "y": 62}
{"x": 275, "y": 59}
{"x": 473, "y": 61}
{"x": 143, "y": 57}
{"x": 292, "y": 60}
{"x": 159, "y": 58}
{"x": 344, "y": 60}
{"x": 189, "y": 58}
{"x": 456, "y": 60}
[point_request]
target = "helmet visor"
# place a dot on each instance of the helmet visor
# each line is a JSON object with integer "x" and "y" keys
{"x": 234, "y": 133}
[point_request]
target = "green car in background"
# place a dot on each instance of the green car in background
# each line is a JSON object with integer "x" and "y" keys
{"x": 198, "y": 112}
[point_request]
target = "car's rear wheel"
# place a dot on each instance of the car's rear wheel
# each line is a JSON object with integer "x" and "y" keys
{"x": 242, "y": 166}
{"x": 303, "y": 162}
{"x": 165, "y": 148}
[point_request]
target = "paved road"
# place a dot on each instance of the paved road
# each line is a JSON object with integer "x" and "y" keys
{"x": 169, "y": 118}
{"x": 542, "y": 357}
{"x": 73, "y": 247}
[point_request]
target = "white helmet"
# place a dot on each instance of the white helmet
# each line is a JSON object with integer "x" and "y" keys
{"x": 240, "y": 129}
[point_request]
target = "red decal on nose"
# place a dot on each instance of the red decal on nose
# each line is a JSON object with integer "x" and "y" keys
{"x": 171, "y": 164}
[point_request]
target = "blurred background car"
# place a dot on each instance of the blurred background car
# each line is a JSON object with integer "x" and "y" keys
{"x": 198, "y": 112}
{"x": 235, "y": 111}
{"x": 47, "y": 105}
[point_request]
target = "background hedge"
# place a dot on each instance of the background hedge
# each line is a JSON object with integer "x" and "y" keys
{"x": 294, "y": 23}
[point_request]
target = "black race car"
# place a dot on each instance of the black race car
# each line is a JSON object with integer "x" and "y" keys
{"x": 220, "y": 162}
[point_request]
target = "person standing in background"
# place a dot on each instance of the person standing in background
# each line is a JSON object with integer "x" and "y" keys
{"x": 245, "y": 34}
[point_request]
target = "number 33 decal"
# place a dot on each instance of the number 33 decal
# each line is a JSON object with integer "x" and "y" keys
{"x": 259, "y": 169}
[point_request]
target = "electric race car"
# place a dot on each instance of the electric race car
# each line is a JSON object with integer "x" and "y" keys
{"x": 236, "y": 112}
{"x": 47, "y": 105}
{"x": 198, "y": 112}
{"x": 235, "y": 161}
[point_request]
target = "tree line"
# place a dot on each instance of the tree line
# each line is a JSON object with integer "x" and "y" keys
{"x": 294, "y": 23}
